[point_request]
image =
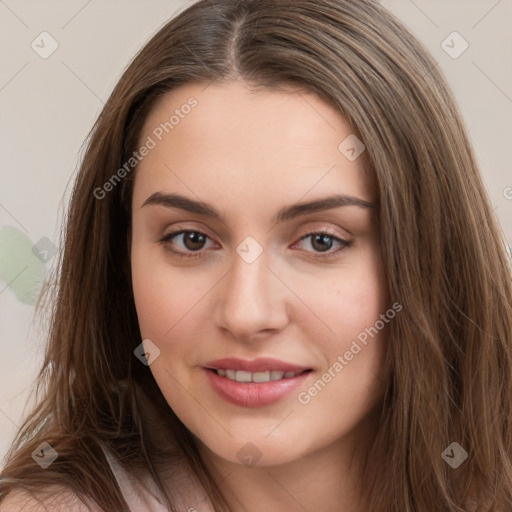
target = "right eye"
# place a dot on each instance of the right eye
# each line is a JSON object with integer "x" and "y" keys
{"x": 190, "y": 243}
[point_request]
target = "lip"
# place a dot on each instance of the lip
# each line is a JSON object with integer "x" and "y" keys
{"x": 261, "y": 364}
{"x": 254, "y": 394}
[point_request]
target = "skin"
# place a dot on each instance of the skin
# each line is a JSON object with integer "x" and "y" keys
{"x": 249, "y": 153}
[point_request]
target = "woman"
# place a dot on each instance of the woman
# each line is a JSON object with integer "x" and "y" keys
{"x": 282, "y": 287}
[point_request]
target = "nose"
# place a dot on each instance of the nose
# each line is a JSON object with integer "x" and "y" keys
{"x": 251, "y": 302}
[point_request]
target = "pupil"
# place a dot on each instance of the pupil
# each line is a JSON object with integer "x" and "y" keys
{"x": 324, "y": 241}
{"x": 194, "y": 241}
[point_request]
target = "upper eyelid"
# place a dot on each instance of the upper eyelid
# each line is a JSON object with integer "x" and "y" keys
{"x": 206, "y": 230}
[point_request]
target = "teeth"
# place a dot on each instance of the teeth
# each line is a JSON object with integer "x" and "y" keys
{"x": 243, "y": 376}
{"x": 261, "y": 377}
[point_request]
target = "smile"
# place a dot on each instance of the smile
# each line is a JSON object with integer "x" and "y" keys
{"x": 255, "y": 383}
{"x": 267, "y": 376}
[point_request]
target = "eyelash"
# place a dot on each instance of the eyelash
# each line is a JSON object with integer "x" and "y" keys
{"x": 345, "y": 244}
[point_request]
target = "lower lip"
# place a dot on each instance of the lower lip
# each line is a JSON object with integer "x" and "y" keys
{"x": 254, "y": 394}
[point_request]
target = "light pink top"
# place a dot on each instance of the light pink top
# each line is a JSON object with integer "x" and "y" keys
{"x": 147, "y": 498}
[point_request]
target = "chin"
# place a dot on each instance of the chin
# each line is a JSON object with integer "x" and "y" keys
{"x": 259, "y": 450}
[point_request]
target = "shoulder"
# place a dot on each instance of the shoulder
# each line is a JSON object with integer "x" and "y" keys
{"x": 56, "y": 499}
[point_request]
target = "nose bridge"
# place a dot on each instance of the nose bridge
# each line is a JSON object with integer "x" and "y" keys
{"x": 250, "y": 300}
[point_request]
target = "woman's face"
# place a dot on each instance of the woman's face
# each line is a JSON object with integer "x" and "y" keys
{"x": 286, "y": 301}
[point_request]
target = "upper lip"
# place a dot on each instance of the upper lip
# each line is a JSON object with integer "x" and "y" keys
{"x": 256, "y": 365}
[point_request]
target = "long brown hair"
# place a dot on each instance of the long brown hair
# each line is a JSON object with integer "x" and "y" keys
{"x": 444, "y": 256}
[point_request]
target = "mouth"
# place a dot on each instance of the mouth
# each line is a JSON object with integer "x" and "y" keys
{"x": 254, "y": 383}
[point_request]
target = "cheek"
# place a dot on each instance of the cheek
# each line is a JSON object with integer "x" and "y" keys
{"x": 162, "y": 295}
{"x": 354, "y": 338}
{"x": 350, "y": 301}
{"x": 353, "y": 377}
{"x": 172, "y": 307}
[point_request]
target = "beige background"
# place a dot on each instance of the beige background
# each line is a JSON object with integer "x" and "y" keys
{"x": 48, "y": 106}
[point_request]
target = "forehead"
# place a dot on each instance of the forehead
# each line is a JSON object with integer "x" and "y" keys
{"x": 225, "y": 137}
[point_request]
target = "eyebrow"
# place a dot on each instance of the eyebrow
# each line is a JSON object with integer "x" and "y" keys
{"x": 283, "y": 215}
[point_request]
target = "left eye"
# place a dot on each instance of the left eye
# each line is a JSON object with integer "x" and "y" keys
{"x": 323, "y": 241}
{"x": 193, "y": 242}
